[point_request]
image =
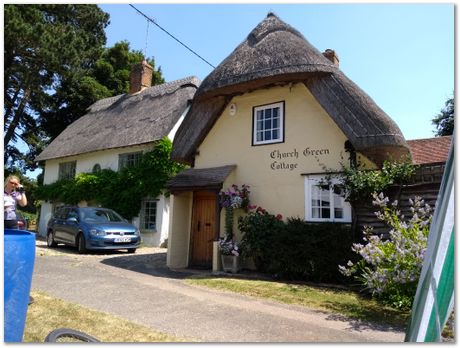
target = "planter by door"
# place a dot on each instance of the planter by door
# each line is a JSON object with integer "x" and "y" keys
{"x": 231, "y": 263}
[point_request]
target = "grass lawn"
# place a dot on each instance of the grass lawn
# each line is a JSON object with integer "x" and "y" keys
{"x": 47, "y": 313}
{"x": 344, "y": 302}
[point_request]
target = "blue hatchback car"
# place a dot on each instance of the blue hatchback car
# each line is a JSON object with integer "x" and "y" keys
{"x": 92, "y": 228}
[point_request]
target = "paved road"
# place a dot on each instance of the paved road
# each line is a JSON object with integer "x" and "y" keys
{"x": 140, "y": 288}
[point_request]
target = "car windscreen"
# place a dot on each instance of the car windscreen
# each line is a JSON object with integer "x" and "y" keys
{"x": 92, "y": 215}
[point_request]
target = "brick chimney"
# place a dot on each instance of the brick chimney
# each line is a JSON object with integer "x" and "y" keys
{"x": 140, "y": 77}
{"x": 332, "y": 56}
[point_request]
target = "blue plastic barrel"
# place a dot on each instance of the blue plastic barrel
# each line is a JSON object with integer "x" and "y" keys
{"x": 19, "y": 257}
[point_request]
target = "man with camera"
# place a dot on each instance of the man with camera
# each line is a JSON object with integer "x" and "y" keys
{"x": 13, "y": 193}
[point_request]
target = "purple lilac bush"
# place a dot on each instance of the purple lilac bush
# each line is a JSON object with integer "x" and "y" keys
{"x": 390, "y": 268}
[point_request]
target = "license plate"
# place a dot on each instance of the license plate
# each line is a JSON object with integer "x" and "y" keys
{"x": 122, "y": 240}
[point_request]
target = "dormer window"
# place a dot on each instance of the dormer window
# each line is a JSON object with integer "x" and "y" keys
{"x": 268, "y": 124}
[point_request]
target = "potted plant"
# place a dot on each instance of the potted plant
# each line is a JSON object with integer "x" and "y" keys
{"x": 231, "y": 199}
{"x": 230, "y": 254}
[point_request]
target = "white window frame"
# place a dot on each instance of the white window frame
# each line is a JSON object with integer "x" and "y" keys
{"x": 143, "y": 214}
{"x": 67, "y": 170}
{"x": 125, "y": 161}
{"x": 315, "y": 180}
{"x": 280, "y": 128}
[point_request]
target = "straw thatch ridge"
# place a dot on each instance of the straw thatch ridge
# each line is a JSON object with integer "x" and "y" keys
{"x": 274, "y": 54}
{"x": 273, "y": 48}
{"x": 125, "y": 120}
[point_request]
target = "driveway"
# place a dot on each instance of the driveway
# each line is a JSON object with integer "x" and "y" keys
{"x": 139, "y": 287}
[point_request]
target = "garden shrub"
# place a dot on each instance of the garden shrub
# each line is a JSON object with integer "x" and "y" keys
{"x": 296, "y": 250}
{"x": 307, "y": 251}
{"x": 259, "y": 230}
{"x": 390, "y": 268}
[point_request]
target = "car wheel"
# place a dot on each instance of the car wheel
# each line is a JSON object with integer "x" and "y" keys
{"x": 131, "y": 251}
{"x": 50, "y": 240}
{"x": 81, "y": 244}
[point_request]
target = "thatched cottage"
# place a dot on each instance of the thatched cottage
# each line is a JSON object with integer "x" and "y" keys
{"x": 273, "y": 115}
{"x": 114, "y": 133}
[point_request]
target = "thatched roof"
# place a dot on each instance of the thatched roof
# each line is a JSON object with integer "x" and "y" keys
{"x": 125, "y": 120}
{"x": 194, "y": 179}
{"x": 274, "y": 53}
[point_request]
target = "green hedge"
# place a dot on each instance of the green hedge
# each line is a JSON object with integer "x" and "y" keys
{"x": 297, "y": 250}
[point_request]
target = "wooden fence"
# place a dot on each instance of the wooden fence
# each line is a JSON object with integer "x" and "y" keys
{"x": 426, "y": 184}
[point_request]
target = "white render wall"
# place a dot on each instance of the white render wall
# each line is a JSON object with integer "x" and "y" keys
{"x": 107, "y": 159}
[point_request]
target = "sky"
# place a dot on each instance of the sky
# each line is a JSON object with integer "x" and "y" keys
{"x": 401, "y": 55}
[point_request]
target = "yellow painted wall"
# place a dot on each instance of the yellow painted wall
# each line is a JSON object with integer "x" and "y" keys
{"x": 179, "y": 230}
{"x": 313, "y": 143}
{"x": 274, "y": 172}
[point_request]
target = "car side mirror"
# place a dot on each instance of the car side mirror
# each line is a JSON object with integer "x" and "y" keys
{"x": 72, "y": 219}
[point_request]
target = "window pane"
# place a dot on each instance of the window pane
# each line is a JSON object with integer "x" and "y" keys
{"x": 260, "y": 125}
{"x": 260, "y": 136}
{"x": 149, "y": 215}
{"x": 260, "y": 115}
{"x": 325, "y": 198}
{"x": 268, "y": 113}
{"x": 315, "y": 213}
{"x": 275, "y": 112}
{"x": 268, "y": 123}
{"x": 325, "y": 213}
{"x": 338, "y": 213}
{"x": 268, "y": 135}
{"x": 275, "y": 134}
{"x": 67, "y": 170}
{"x": 276, "y": 122}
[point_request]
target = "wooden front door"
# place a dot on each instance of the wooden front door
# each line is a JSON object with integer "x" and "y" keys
{"x": 203, "y": 228}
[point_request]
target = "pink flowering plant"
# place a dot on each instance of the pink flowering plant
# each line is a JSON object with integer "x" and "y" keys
{"x": 235, "y": 197}
{"x": 390, "y": 267}
{"x": 231, "y": 199}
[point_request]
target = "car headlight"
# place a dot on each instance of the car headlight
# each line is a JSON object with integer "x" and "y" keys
{"x": 95, "y": 232}
{"x": 137, "y": 232}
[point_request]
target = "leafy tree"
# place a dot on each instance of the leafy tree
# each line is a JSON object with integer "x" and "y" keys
{"x": 56, "y": 66}
{"x": 42, "y": 44}
{"x": 108, "y": 76}
{"x": 444, "y": 121}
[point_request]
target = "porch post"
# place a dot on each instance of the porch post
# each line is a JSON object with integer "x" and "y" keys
{"x": 216, "y": 263}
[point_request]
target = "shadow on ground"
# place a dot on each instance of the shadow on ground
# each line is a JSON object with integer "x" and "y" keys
{"x": 359, "y": 325}
{"x": 152, "y": 264}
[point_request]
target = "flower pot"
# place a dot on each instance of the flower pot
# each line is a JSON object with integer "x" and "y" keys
{"x": 231, "y": 263}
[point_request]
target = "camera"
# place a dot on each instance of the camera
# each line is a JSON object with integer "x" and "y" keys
{"x": 21, "y": 189}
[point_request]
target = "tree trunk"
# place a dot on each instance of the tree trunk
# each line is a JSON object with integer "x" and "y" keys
{"x": 17, "y": 117}
{"x": 9, "y": 108}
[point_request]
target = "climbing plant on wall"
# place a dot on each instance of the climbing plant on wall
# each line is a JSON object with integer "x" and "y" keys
{"x": 121, "y": 191}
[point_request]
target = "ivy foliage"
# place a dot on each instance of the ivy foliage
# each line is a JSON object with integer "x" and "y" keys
{"x": 121, "y": 191}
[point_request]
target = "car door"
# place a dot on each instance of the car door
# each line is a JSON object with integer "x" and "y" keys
{"x": 71, "y": 226}
{"x": 59, "y": 224}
